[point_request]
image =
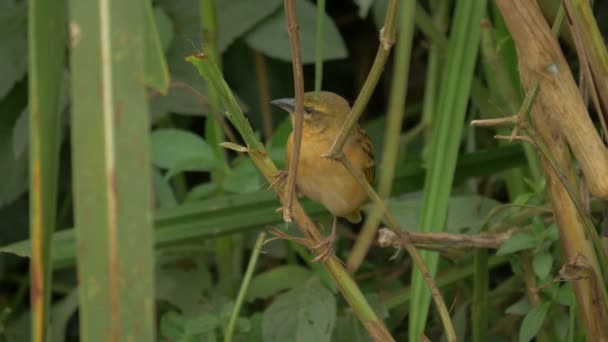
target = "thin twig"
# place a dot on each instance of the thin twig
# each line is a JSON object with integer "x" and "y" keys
{"x": 263, "y": 93}
{"x": 298, "y": 82}
{"x": 409, "y": 247}
{"x": 387, "y": 39}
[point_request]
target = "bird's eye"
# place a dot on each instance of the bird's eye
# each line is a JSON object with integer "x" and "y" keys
{"x": 308, "y": 110}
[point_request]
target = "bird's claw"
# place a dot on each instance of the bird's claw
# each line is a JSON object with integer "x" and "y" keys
{"x": 279, "y": 180}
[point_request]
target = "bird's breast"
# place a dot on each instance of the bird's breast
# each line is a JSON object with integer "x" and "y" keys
{"x": 326, "y": 181}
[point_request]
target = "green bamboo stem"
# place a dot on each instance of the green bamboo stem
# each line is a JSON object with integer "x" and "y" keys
{"x": 394, "y": 122}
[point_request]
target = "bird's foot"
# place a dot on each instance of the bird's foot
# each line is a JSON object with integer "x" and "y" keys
{"x": 279, "y": 180}
{"x": 327, "y": 245}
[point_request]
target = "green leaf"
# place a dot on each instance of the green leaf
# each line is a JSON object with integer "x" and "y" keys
{"x": 201, "y": 324}
{"x": 364, "y": 6}
{"x": 242, "y": 15}
{"x": 21, "y": 134}
{"x": 14, "y": 168}
{"x": 275, "y": 280}
{"x": 13, "y": 44}
{"x": 173, "y": 148}
{"x": 464, "y": 211}
{"x": 542, "y": 263}
{"x": 271, "y": 37}
{"x": 165, "y": 197}
{"x": 172, "y": 326}
{"x": 243, "y": 178}
{"x": 521, "y": 307}
{"x": 156, "y": 72}
{"x": 533, "y": 321}
{"x": 305, "y": 313}
{"x": 349, "y": 329}
{"x": 183, "y": 288}
{"x": 164, "y": 26}
{"x": 516, "y": 243}
{"x": 564, "y": 295}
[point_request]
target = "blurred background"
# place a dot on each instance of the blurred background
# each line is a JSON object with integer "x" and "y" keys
{"x": 211, "y": 203}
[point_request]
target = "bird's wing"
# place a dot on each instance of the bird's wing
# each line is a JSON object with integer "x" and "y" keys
{"x": 369, "y": 166}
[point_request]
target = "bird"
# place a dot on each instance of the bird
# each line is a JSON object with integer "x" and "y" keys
{"x": 324, "y": 180}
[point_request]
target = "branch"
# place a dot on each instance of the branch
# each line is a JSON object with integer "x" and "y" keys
{"x": 404, "y": 236}
{"x": 387, "y": 39}
{"x": 387, "y": 237}
{"x": 298, "y": 82}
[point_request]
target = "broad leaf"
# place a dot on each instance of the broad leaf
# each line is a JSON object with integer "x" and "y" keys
{"x": 533, "y": 321}
{"x": 173, "y": 148}
{"x": 305, "y": 313}
{"x": 271, "y": 37}
{"x": 516, "y": 243}
{"x": 275, "y": 280}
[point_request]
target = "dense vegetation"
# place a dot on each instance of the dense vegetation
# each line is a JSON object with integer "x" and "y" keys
{"x": 137, "y": 143}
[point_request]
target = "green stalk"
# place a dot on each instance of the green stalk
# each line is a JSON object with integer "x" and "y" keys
{"x": 253, "y": 259}
{"x": 320, "y": 35}
{"x": 111, "y": 171}
{"x": 435, "y": 60}
{"x": 46, "y": 37}
{"x": 229, "y": 267}
{"x": 445, "y": 141}
{"x": 393, "y": 131}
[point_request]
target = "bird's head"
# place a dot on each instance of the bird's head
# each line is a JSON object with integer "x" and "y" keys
{"x": 322, "y": 110}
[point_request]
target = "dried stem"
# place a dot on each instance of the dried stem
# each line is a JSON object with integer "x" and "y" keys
{"x": 387, "y": 237}
{"x": 409, "y": 247}
{"x": 387, "y": 39}
{"x": 298, "y": 80}
{"x": 563, "y": 125}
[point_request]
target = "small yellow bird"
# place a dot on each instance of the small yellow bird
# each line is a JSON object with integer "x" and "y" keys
{"x": 324, "y": 180}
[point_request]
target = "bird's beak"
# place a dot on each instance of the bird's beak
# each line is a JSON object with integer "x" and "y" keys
{"x": 288, "y": 104}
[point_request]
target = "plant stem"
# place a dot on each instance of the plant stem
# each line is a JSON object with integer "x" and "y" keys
{"x": 409, "y": 247}
{"x": 298, "y": 80}
{"x": 387, "y": 39}
{"x": 393, "y": 131}
{"x": 244, "y": 286}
